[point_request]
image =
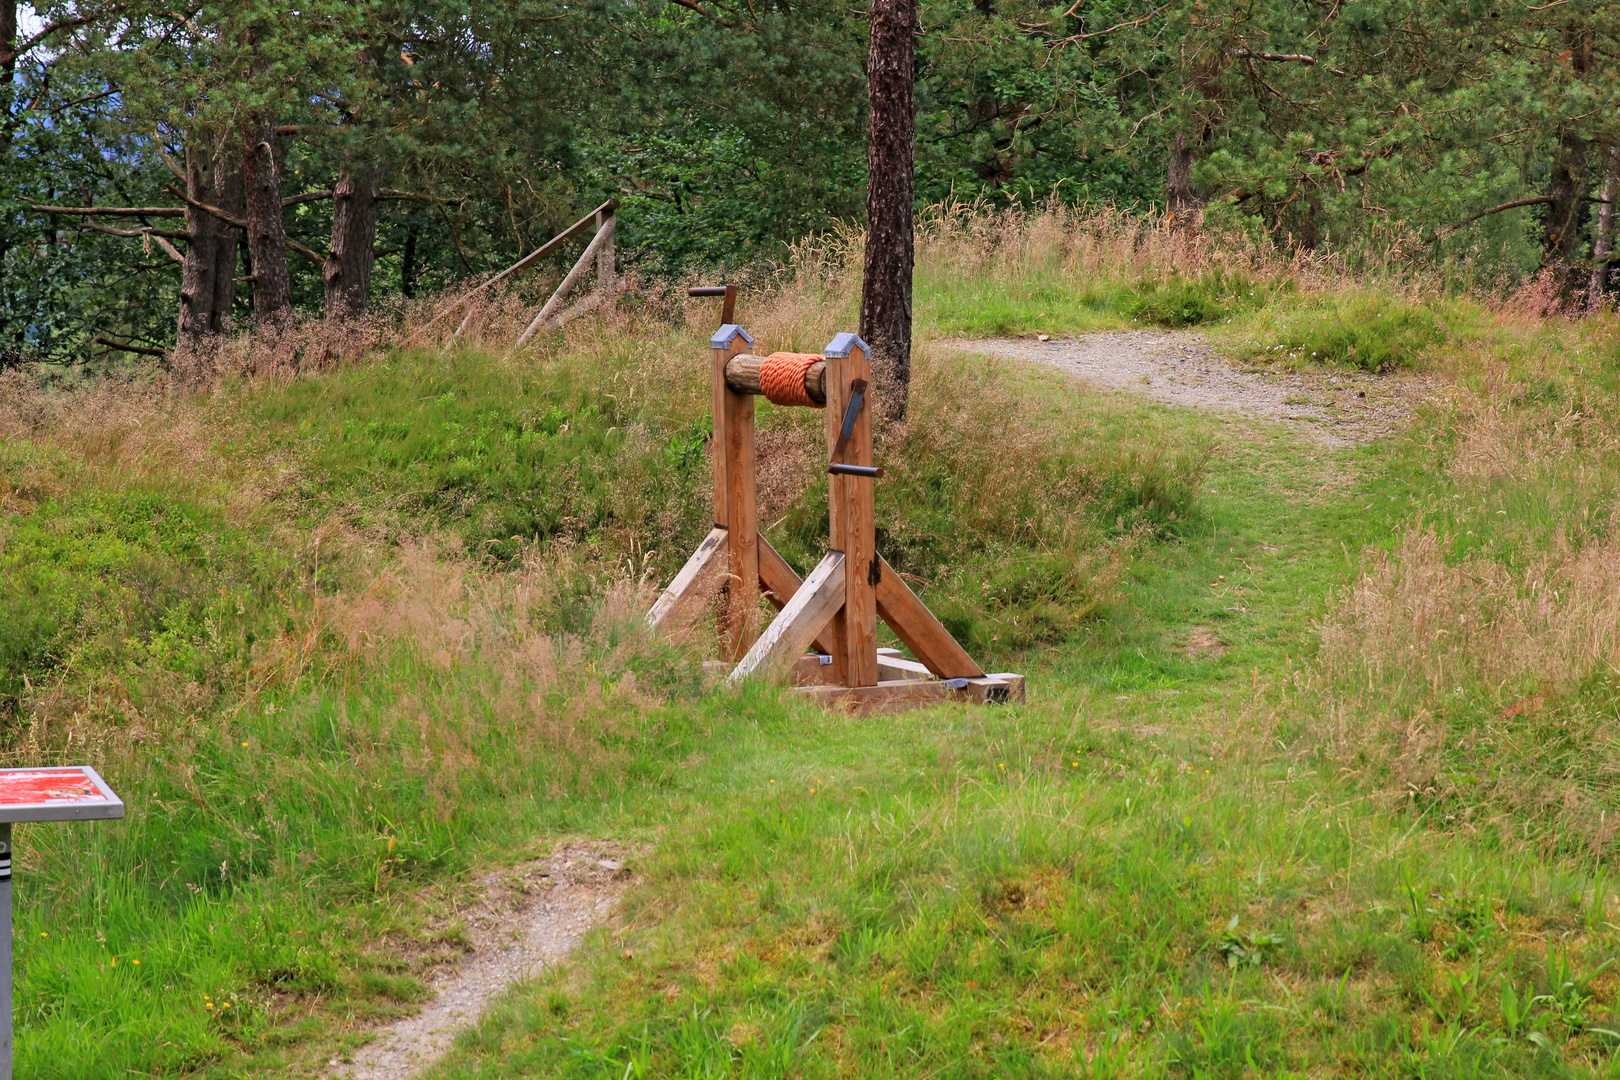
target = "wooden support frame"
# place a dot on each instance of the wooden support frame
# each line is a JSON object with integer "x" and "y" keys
{"x": 836, "y": 609}
{"x": 852, "y": 513}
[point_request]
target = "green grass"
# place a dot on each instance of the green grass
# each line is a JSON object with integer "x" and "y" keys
{"x": 1052, "y": 890}
{"x": 389, "y": 639}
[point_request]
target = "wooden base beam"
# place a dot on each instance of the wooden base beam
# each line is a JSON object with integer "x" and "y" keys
{"x": 899, "y": 695}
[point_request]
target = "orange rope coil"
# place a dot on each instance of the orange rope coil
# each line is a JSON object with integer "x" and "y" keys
{"x": 781, "y": 377}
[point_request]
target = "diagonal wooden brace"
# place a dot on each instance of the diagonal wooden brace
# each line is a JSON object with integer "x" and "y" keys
{"x": 922, "y": 633}
{"x": 700, "y": 576}
{"x": 792, "y": 631}
{"x": 780, "y": 582}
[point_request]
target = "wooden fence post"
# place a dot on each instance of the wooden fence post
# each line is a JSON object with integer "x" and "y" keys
{"x": 606, "y": 269}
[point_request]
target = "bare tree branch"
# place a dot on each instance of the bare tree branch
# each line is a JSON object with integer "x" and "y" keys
{"x": 413, "y": 196}
{"x": 691, "y": 6}
{"x": 168, "y": 162}
{"x": 1296, "y": 57}
{"x": 1514, "y": 205}
{"x": 241, "y": 223}
{"x": 124, "y": 346}
{"x": 112, "y": 211}
{"x": 1083, "y": 37}
{"x": 155, "y": 235}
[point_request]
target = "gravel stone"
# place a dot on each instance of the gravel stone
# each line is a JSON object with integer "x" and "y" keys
{"x": 1179, "y": 368}
{"x": 529, "y": 920}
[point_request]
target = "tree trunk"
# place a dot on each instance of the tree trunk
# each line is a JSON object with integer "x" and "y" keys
{"x": 347, "y": 270}
{"x": 8, "y": 77}
{"x": 266, "y": 229}
{"x": 1181, "y": 198}
{"x": 1597, "y": 286}
{"x": 227, "y": 242}
{"x": 407, "y": 265}
{"x": 890, "y": 194}
{"x": 1562, "y": 230}
{"x": 8, "y": 64}
{"x": 197, "y": 274}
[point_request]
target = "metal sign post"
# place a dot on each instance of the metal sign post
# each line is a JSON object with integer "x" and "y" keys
{"x": 73, "y": 793}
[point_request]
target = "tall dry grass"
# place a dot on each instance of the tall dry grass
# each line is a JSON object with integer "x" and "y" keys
{"x": 1476, "y": 666}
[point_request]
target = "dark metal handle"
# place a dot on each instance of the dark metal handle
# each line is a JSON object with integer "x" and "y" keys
{"x": 857, "y": 399}
{"x": 867, "y": 471}
{"x": 728, "y": 306}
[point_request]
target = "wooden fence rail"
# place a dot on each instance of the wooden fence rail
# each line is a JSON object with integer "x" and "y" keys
{"x": 601, "y": 246}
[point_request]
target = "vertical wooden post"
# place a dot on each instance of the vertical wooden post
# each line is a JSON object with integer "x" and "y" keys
{"x": 605, "y": 265}
{"x": 727, "y": 342}
{"x": 734, "y": 505}
{"x": 852, "y": 514}
{"x": 741, "y": 597}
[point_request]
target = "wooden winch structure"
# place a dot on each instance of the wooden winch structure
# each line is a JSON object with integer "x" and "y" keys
{"x": 824, "y": 634}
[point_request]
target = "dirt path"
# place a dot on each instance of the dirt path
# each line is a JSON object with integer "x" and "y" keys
{"x": 530, "y": 918}
{"x": 1179, "y": 368}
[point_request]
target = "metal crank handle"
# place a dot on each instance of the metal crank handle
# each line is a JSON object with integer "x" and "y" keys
{"x": 855, "y": 470}
{"x": 728, "y": 305}
{"x": 857, "y": 401}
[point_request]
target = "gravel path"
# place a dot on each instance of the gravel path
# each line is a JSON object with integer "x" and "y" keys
{"x": 530, "y": 919}
{"x": 1178, "y": 368}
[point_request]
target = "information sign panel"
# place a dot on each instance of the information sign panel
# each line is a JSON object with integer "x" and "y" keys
{"x": 71, "y": 793}
{"x": 76, "y": 793}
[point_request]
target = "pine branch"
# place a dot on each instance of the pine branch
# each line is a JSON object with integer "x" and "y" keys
{"x": 61, "y": 24}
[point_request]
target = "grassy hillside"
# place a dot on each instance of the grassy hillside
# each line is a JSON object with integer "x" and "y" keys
{"x": 344, "y": 640}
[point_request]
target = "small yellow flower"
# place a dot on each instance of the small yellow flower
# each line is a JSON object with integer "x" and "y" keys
{"x": 210, "y": 1005}
{"x": 244, "y": 744}
{"x": 43, "y": 934}
{"x": 135, "y": 962}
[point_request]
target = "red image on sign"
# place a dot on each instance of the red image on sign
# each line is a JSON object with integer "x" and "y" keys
{"x": 47, "y": 786}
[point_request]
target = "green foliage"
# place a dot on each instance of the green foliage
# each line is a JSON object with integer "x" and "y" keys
{"x": 1245, "y": 947}
{"x": 1370, "y": 331}
{"x": 133, "y": 580}
{"x": 503, "y": 462}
